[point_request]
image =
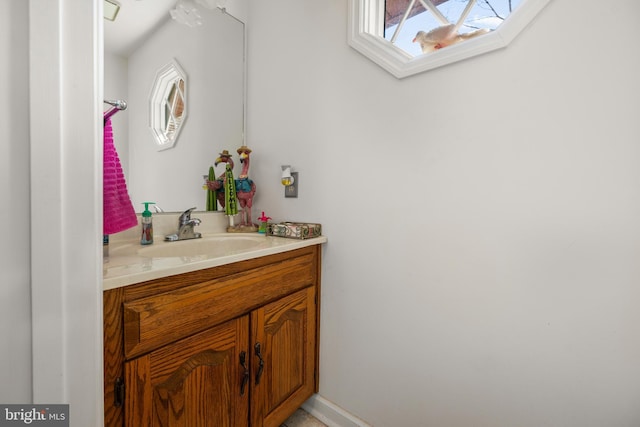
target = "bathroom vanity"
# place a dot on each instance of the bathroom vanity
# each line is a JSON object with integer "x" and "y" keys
{"x": 224, "y": 342}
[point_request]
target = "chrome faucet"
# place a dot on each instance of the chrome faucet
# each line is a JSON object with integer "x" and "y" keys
{"x": 185, "y": 227}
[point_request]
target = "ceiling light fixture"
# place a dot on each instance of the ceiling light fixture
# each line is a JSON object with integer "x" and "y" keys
{"x": 111, "y": 9}
{"x": 186, "y": 13}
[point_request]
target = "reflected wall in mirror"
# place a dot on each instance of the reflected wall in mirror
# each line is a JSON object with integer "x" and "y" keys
{"x": 212, "y": 55}
{"x": 168, "y": 105}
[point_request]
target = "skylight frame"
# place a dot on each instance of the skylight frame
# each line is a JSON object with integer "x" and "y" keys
{"x": 366, "y": 35}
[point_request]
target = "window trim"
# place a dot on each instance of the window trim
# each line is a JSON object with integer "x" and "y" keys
{"x": 366, "y": 21}
{"x": 165, "y": 79}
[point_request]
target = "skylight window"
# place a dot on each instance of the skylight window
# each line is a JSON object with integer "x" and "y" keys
{"x": 445, "y": 31}
{"x": 423, "y": 26}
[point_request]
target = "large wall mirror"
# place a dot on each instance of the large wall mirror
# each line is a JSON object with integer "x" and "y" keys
{"x": 406, "y": 37}
{"x": 209, "y": 60}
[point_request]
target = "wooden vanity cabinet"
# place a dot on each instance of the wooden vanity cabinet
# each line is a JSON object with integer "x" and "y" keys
{"x": 191, "y": 382}
{"x": 235, "y": 345}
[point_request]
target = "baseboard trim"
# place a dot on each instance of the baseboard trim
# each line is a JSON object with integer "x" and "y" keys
{"x": 331, "y": 414}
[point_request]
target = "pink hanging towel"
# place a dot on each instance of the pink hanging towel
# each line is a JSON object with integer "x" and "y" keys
{"x": 118, "y": 212}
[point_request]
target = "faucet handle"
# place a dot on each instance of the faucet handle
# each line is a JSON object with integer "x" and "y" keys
{"x": 186, "y": 216}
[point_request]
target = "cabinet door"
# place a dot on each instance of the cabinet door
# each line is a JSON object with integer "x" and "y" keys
{"x": 197, "y": 381}
{"x": 283, "y": 341}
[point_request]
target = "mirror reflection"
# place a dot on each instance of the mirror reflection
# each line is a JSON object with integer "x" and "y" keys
{"x": 168, "y": 105}
{"x": 211, "y": 92}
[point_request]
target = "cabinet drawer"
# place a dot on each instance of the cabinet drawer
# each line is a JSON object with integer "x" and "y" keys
{"x": 157, "y": 320}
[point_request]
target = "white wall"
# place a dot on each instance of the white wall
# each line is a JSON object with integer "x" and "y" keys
{"x": 50, "y": 309}
{"x": 15, "y": 301}
{"x": 482, "y": 218}
{"x": 65, "y": 147}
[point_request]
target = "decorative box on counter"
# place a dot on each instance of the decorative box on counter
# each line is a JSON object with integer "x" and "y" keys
{"x": 294, "y": 230}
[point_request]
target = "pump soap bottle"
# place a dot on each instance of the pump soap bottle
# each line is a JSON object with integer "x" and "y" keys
{"x": 147, "y": 225}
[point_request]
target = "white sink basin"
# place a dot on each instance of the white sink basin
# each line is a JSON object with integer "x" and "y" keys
{"x": 209, "y": 246}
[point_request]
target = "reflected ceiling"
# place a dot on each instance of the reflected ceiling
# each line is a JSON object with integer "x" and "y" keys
{"x": 134, "y": 22}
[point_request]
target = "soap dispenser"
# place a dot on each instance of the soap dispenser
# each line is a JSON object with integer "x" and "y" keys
{"x": 147, "y": 225}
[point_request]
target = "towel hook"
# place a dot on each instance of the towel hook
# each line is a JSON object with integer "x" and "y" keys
{"x": 118, "y": 104}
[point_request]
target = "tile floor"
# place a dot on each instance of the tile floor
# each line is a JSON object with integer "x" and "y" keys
{"x": 302, "y": 418}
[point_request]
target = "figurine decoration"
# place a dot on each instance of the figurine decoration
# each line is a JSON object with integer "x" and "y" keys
{"x": 212, "y": 196}
{"x": 217, "y": 185}
{"x": 232, "y": 192}
{"x": 246, "y": 189}
{"x": 264, "y": 222}
{"x": 230, "y": 198}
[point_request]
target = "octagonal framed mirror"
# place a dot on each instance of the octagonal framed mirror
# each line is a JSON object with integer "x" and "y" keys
{"x": 406, "y": 37}
{"x": 168, "y": 105}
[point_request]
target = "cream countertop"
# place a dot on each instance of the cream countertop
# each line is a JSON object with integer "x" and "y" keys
{"x": 125, "y": 266}
{"x": 128, "y": 262}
